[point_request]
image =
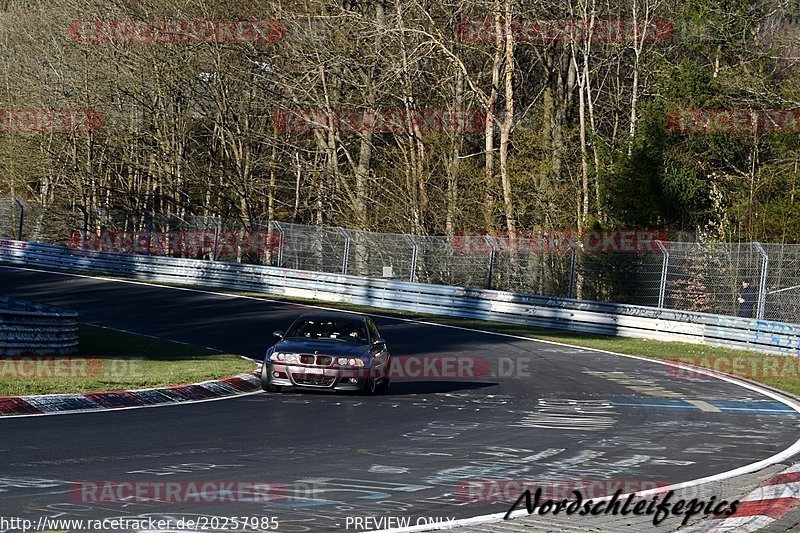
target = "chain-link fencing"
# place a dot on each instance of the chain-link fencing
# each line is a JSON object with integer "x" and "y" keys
{"x": 738, "y": 279}
{"x": 782, "y": 297}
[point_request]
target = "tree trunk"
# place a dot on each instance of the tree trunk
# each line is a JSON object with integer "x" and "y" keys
{"x": 508, "y": 122}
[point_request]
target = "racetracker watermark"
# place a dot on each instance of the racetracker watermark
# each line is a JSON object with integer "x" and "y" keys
{"x": 751, "y": 121}
{"x": 424, "y": 121}
{"x": 568, "y": 30}
{"x": 508, "y": 490}
{"x": 560, "y": 241}
{"x": 427, "y": 368}
{"x": 753, "y": 367}
{"x": 186, "y": 243}
{"x": 50, "y": 120}
{"x": 176, "y": 31}
{"x": 176, "y": 492}
{"x": 66, "y": 367}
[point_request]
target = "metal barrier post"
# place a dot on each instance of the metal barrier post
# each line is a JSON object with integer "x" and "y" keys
{"x": 762, "y": 283}
{"x": 21, "y": 218}
{"x": 414, "y": 248}
{"x": 280, "y": 242}
{"x": 492, "y": 254}
{"x": 346, "y": 254}
{"x": 662, "y": 287}
{"x": 572, "y": 264}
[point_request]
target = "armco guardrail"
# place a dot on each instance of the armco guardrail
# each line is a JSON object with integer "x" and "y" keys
{"x": 30, "y": 328}
{"x": 575, "y": 315}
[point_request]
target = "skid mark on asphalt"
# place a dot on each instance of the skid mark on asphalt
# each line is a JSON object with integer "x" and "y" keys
{"x": 7, "y": 483}
{"x": 624, "y": 442}
{"x": 585, "y": 415}
{"x": 387, "y": 469}
{"x": 441, "y": 430}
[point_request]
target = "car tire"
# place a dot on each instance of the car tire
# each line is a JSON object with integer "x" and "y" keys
{"x": 266, "y": 386}
{"x": 370, "y": 387}
{"x": 386, "y": 382}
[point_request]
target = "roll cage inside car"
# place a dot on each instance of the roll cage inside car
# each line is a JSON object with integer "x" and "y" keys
{"x": 361, "y": 331}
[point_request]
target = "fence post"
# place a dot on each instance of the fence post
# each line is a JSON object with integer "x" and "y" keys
{"x": 762, "y": 283}
{"x": 492, "y": 254}
{"x": 281, "y": 234}
{"x": 572, "y": 264}
{"x": 148, "y": 217}
{"x": 346, "y": 254}
{"x": 662, "y": 286}
{"x": 85, "y": 231}
{"x": 21, "y": 217}
{"x": 414, "y": 249}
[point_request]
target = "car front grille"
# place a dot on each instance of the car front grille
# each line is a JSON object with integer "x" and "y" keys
{"x": 316, "y": 360}
{"x": 316, "y": 381}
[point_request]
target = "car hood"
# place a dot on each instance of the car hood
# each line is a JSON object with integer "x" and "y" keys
{"x": 322, "y": 347}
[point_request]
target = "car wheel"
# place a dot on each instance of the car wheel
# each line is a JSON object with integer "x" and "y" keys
{"x": 370, "y": 386}
{"x": 265, "y": 384}
{"x": 386, "y": 382}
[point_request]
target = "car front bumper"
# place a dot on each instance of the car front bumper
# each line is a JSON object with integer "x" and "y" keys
{"x": 298, "y": 376}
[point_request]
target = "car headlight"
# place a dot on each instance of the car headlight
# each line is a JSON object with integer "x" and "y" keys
{"x": 286, "y": 358}
{"x": 354, "y": 362}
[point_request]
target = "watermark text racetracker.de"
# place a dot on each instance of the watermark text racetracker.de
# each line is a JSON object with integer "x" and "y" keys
{"x": 458, "y": 367}
{"x": 194, "y": 523}
{"x": 50, "y": 121}
{"x": 567, "y": 30}
{"x": 188, "y": 243}
{"x": 398, "y": 120}
{"x": 748, "y": 366}
{"x": 156, "y": 491}
{"x": 745, "y": 121}
{"x": 435, "y": 368}
{"x": 560, "y": 241}
{"x": 508, "y": 490}
{"x": 68, "y": 367}
{"x": 160, "y": 32}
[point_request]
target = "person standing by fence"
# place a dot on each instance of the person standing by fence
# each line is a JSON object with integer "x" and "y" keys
{"x": 747, "y": 300}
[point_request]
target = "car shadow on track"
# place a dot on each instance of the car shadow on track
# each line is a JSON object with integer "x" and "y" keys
{"x": 399, "y": 388}
{"x": 404, "y": 388}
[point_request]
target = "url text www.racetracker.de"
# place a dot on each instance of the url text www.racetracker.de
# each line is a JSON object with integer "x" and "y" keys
{"x": 644, "y": 506}
{"x": 9, "y": 524}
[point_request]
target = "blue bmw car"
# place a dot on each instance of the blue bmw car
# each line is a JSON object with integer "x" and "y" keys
{"x": 328, "y": 351}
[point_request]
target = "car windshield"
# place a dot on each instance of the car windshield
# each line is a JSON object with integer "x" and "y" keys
{"x": 347, "y": 330}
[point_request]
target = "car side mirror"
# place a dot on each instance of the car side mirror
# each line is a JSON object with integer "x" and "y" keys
{"x": 278, "y": 334}
{"x": 380, "y": 341}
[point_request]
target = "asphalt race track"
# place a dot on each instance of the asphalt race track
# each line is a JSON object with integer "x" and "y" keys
{"x": 542, "y": 411}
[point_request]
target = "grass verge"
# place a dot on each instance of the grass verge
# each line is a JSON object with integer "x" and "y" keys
{"x": 110, "y": 360}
